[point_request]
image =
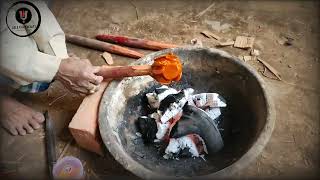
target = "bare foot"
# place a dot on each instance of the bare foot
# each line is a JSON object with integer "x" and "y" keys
{"x": 18, "y": 118}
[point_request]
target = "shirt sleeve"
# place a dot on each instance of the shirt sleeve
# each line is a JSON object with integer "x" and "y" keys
{"x": 22, "y": 62}
{"x": 36, "y": 57}
{"x": 50, "y": 38}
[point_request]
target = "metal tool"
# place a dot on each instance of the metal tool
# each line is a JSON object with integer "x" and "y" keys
{"x": 50, "y": 144}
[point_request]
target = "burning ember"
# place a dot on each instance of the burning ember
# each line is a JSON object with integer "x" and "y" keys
{"x": 185, "y": 124}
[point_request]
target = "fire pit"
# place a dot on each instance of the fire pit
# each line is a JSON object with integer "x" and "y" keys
{"x": 248, "y": 119}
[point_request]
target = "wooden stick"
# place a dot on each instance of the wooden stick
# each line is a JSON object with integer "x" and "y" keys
{"x": 270, "y": 68}
{"x": 65, "y": 148}
{"x": 102, "y": 46}
{"x": 124, "y": 71}
{"x": 135, "y": 42}
{"x": 204, "y": 11}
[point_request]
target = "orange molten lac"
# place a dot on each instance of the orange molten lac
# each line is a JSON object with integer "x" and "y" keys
{"x": 167, "y": 68}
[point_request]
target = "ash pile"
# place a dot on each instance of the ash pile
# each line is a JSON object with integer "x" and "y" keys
{"x": 181, "y": 123}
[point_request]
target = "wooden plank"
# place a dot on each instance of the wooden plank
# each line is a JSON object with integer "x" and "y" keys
{"x": 244, "y": 42}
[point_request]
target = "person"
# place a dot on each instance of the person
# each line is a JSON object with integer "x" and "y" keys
{"x": 31, "y": 63}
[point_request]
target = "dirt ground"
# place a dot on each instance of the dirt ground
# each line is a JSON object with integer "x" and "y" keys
{"x": 293, "y": 150}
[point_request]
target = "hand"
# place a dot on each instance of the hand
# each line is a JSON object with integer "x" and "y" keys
{"x": 79, "y": 75}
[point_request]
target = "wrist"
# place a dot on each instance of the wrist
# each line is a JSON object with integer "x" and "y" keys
{"x": 60, "y": 69}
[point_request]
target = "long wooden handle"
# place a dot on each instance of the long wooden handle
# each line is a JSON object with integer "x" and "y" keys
{"x": 135, "y": 42}
{"x": 124, "y": 71}
{"x": 102, "y": 46}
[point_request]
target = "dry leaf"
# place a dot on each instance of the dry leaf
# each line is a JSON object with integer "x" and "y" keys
{"x": 270, "y": 68}
{"x": 107, "y": 57}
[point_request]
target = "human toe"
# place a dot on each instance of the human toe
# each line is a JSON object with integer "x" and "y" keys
{"x": 21, "y": 131}
{"x": 38, "y": 117}
{"x": 28, "y": 128}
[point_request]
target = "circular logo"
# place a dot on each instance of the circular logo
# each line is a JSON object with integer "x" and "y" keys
{"x": 23, "y": 18}
{"x": 23, "y": 15}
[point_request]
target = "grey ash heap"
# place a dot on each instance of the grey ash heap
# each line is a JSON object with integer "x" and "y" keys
{"x": 182, "y": 123}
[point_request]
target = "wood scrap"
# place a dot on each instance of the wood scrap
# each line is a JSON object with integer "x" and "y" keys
{"x": 244, "y": 42}
{"x": 226, "y": 43}
{"x": 137, "y": 14}
{"x": 107, "y": 57}
{"x": 65, "y": 148}
{"x": 210, "y": 35}
{"x": 265, "y": 75}
{"x": 270, "y": 68}
{"x": 205, "y": 10}
{"x": 247, "y": 58}
{"x": 255, "y": 52}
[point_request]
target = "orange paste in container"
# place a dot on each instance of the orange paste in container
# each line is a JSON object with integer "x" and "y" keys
{"x": 167, "y": 68}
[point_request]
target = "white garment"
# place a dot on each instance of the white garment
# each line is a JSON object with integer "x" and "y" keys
{"x": 36, "y": 57}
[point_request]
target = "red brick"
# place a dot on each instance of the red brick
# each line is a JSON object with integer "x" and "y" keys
{"x": 84, "y": 124}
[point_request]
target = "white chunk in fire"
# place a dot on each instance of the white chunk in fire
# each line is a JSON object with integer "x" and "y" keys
{"x": 192, "y": 142}
{"x": 158, "y": 95}
{"x": 176, "y": 107}
{"x": 168, "y": 104}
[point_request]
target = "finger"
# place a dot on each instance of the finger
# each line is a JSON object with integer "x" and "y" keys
{"x": 96, "y": 69}
{"x": 87, "y": 61}
{"x": 28, "y": 128}
{"x": 91, "y": 88}
{"x": 95, "y": 79}
{"x": 72, "y": 54}
{"x": 21, "y": 131}
{"x": 95, "y": 89}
